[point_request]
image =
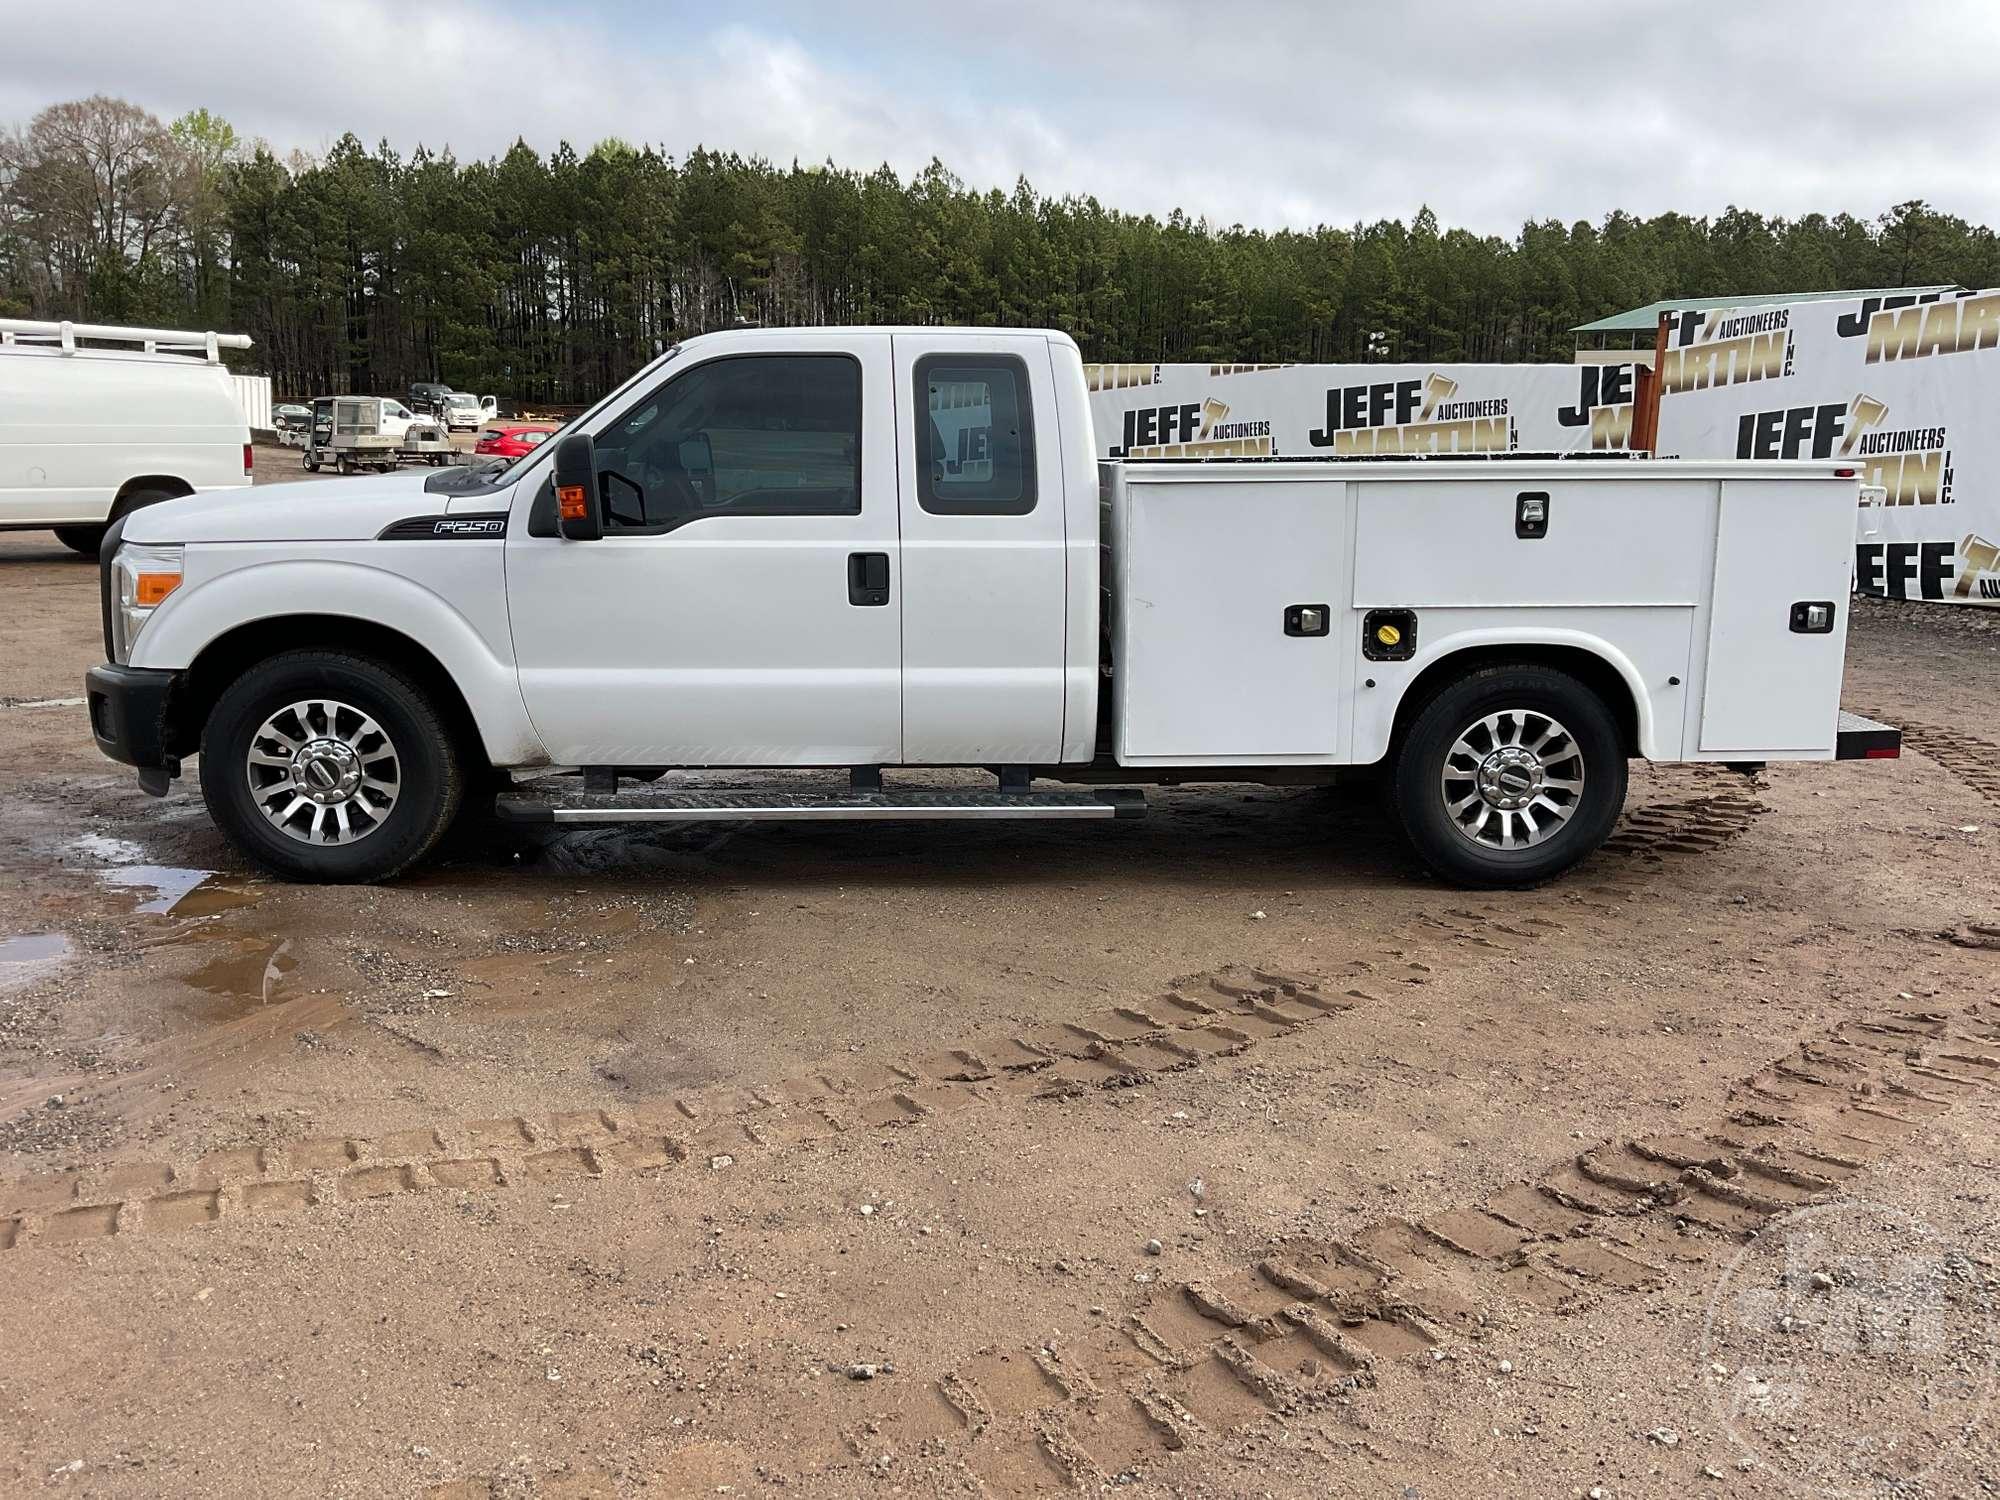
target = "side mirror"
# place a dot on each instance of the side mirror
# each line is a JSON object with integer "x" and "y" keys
{"x": 578, "y": 515}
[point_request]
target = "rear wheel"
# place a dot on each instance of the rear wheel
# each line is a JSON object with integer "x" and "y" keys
{"x": 84, "y": 539}
{"x": 328, "y": 767}
{"x": 1509, "y": 776}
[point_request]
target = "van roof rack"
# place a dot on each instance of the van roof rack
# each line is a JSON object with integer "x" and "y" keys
{"x": 65, "y": 334}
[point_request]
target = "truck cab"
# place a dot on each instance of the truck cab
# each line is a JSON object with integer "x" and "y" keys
{"x": 852, "y": 549}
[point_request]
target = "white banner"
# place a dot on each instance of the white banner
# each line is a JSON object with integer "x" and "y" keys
{"x": 1905, "y": 386}
{"x": 1289, "y": 411}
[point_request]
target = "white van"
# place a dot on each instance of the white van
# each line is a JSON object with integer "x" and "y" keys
{"x": 90, "y": 433}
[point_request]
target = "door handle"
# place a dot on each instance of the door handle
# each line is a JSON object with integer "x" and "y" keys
{"x": 867, "y": 578}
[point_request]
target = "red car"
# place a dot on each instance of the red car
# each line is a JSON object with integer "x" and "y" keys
{"x": 511, "y": 440}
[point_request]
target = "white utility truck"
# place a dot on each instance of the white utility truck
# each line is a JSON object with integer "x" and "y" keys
{"x": 97, "y": 420}
{"x": 463, "y": 409}
{"x": 799, "y": 548}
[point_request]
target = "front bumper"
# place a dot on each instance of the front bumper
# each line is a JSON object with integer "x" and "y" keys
{"x": 128, "y": 719}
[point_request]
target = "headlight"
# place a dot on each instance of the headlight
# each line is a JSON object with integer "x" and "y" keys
{"x": 141, "y": 576}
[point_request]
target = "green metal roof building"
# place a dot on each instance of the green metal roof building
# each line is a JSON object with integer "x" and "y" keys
{"x": 1635, "y": 329}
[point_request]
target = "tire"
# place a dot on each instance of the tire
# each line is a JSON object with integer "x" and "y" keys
{"x": 84, "y": 539}
{"x": 312, "y": 465}
{"x": 1500, "y": 747}
{"x": 385, "y": 831}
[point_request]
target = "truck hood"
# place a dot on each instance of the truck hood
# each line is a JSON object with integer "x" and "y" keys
{"x": 316, "y": 510}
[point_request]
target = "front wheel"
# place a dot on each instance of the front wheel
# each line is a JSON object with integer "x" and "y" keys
{"x": 1509, "y": 776}
{"x": 328, "y": 767}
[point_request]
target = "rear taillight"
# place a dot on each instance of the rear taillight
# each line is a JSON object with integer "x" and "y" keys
{"x": 246, "y": 460}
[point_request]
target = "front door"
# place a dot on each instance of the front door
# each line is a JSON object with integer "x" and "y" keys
{"x": 984, "y": 565}
{"x": 743, "y": 607}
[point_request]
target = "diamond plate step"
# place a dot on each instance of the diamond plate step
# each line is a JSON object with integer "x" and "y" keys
{"x": 643, "y": 806}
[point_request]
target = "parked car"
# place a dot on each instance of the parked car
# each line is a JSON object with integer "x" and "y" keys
{"x": 463, "y": 409}
{"x": 429, "y": 396}
{"x": 90, "y": 434}
{"x": 290, "y": 422}
{"x": 511, "y": 440}
{"x": 858, "y": 548}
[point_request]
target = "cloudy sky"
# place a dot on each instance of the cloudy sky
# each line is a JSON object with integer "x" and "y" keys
{"x": 1243, "y": 110}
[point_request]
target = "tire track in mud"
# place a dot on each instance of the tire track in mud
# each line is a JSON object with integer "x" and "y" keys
{"x": 1214, "y": 1014}
{"x": 1974, "y": 761}
{"x": 1688, "y": 825}
{"x": 1219, "y": 1013}
{"x": 1306, "y": 1325}
{"x": 1305, "y": 1329}
{"x": 1210, "y": 1015}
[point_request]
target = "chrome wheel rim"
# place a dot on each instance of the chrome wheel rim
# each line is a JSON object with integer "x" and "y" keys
{"x": 323, "y": 772}
{"x": 1513, "y": 779}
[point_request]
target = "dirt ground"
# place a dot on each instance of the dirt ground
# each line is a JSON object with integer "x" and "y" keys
{"x": 1221, "y": 1153}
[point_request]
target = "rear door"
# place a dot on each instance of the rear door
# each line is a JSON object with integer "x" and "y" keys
{"x": 984, "y": 580}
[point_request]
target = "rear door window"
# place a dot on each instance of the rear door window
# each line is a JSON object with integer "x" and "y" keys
{"x": 975, "y": 435}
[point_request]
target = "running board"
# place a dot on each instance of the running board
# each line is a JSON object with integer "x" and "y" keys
{"x": 795, "y": 807}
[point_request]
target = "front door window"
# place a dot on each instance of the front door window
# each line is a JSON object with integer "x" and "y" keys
{"x": 754, "y": 435}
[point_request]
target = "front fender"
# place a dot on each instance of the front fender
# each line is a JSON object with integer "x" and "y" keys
{"x": 471, "y": 643}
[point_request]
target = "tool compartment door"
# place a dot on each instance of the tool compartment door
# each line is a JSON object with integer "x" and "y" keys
{"x": 1770, "y": 689}
{"x": 1205, "y": 670}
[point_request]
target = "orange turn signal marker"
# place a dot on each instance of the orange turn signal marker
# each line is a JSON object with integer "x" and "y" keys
{"x": 151, "y": 588}
{"x": 572, "y": 503}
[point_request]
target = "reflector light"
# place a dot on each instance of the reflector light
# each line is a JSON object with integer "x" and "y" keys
{"x": 1845, "y": 473}
{"x": 1887, "y": 752}
{"x": 572, "y": 503}
{"x": 150, "y": 588}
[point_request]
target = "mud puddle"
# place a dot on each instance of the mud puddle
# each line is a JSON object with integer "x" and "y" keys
{"x": 30, "y": 955}
{"x": 177, "y": 891}
{"x": 250, "y": 974}
{"x": 169, "y": 890}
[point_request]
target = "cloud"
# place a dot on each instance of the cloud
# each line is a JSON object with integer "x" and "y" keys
{"x": 1260, "y": 112}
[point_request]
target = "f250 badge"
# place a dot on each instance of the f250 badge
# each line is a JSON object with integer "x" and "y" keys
{"x": 445, "y": 529}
